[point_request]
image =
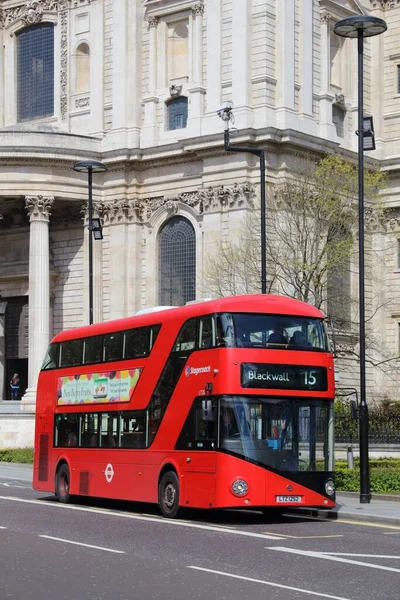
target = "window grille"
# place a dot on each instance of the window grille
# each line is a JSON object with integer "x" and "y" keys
{"x": 35, "y": 72}
{"x": 338, "y": 116}
{"x": 177, "y": 262}
{"x": 177, "y": 113}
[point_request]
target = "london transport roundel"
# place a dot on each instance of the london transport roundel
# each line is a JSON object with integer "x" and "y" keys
{"x": 109, "y": 473}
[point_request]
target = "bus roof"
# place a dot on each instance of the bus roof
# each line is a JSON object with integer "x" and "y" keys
{"x": 256, "y": 303}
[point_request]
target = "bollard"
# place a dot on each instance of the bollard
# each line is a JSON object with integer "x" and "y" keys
{"x": 350, "y": 457}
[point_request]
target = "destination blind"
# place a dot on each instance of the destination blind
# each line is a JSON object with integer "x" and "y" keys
{"x": 284, "y": 377}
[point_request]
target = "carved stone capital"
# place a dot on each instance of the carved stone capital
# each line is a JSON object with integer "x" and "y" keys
{"x": 38, "y": 207}
{"x": 153, "y": 21}
{"x": 325, "y": 17}
{"x": 198, "y": 10}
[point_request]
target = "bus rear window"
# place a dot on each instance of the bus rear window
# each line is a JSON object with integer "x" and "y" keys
{"x": 280, "y": 332}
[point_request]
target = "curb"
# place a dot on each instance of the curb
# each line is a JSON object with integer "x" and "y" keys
{"x": 341, "y": 515}
{"x": 386, "y": 497}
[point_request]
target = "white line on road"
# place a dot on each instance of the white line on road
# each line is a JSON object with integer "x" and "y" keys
{"x": 362, "y": 555}
{"x": 3, "y": 527}
{"x": 270, "y": 583}
{"x": 16, "y": 478}
{"x": 326, "y": 556}
{"x": 158, "y": 520}
{"x": 49, "y": 537}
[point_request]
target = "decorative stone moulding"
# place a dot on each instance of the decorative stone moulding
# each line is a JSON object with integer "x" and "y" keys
{"x": 175, "y": 90}
{"x": 340, "y": 100}
{"x": 203, "y": 200}
{"x": 82, "y": 102}
{"x": 31, "y": 12}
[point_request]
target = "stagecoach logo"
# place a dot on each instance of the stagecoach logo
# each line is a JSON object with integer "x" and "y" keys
{"x": 109, "y": 473}
{"x": 196, "y": 370}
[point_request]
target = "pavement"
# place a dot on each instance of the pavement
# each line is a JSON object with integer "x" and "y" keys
{"x": 383, "y": 509}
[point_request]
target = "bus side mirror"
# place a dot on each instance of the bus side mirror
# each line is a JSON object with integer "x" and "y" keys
{"x": 330, "y": 320}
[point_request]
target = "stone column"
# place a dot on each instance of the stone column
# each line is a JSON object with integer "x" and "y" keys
{"x": 197, "y": 90}
{"x": 327, "y": 129}
{"x": 149, "y": 134}
{"x": 214, "y": 56}
{"x": 285, "y": 35}
{"x": 38, "y": 208}
{"x": 241, "y": 63}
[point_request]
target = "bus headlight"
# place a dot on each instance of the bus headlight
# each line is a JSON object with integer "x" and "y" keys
{"x": 330, "y": 487}
{"x": 240, "y": 487}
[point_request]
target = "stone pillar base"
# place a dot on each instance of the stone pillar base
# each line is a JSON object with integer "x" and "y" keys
{"x": 28, "y": 400}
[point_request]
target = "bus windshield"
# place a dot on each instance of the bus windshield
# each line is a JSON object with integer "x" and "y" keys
{"x": 279, "y": 433}
{"x": 277, "y": 332}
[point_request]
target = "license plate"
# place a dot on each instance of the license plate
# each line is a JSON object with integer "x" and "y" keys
{"x": 285, "y": 499}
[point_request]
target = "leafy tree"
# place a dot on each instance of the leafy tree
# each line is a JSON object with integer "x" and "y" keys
{"x": 312, "y": 216}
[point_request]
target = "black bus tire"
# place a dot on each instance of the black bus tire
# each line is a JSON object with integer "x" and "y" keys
{"x": 63, "y": 484}
{"x": 168, "y": 495}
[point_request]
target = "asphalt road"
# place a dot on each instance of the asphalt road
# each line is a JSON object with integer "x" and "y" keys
{"x": 100, "y": 550}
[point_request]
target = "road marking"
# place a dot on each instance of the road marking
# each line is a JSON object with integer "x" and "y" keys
{"x": 159, "y": 520}
{"x": 327, "y": 556}
{"x": 306, "y": 537}
{"x": 362, "y": 555}
{"x": 16, "y": 478}
{"x": 365, "y": 524}
{"x": 270, "y": 583}
{"x": 49, "y": 537}
{"x": 3, "y": 527}
{"x": 391, "y": 533}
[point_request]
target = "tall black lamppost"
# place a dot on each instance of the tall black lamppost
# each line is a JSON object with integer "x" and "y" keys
{"x": 225, "y": 112}
{"x": 361, "y": 27}
{"x": 90, "y": 167}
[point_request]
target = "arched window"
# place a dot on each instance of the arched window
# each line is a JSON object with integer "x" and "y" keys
{"x": 82, "y": 69}
{"x": 35, "y": 69}
{"x": 176, "y": 262}
{"x": 177, "y": 50}
{"x": 177, "y": 110}
{"x": 338, "y": 117}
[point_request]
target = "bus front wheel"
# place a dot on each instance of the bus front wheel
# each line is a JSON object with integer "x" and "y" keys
{"x": 62, "y": 484}
{"x": 168, "y": 495}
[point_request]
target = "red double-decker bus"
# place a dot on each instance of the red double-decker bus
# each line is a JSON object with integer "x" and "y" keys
{"x": 222, "y": 403}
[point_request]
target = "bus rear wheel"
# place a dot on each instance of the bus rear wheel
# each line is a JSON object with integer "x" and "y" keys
{"x": 62, "y": 484}
{"x": 168, "y": 495}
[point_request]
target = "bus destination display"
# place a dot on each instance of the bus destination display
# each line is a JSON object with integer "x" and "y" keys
{"x": 284, "y": 377}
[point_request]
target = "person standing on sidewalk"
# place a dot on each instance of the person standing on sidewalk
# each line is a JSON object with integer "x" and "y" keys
{"x": 14, "y": 385}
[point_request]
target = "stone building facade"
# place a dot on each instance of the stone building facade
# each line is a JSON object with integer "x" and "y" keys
{"x": 137, "y": 84}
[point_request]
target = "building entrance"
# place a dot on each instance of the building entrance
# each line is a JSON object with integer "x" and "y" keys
{"x": 16, "y": 345}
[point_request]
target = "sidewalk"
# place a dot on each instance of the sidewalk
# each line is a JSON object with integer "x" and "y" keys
{"x": 382, "y": 509}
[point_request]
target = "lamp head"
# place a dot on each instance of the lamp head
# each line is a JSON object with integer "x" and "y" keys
{"x": 369, "y": 26}
{"x": 84, "y": 166}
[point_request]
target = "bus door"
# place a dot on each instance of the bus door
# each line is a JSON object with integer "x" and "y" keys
{"x": 199, "y": 465}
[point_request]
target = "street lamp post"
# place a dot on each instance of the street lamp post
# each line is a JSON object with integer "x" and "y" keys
{"x": 361, "y": 27}
{"x": 225, "y": 112}
{"x": 90, "y": 167}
